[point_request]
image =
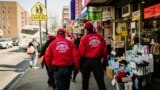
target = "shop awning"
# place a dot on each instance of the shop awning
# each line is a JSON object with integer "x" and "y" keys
{"x": 82, "y": 15}
{"x": 97, "y": 2}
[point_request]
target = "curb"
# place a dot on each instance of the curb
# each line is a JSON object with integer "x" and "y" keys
{"x": 13, "y": 83}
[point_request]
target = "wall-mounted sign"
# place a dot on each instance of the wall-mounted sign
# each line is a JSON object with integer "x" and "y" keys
{"x": 107, "y": 13}
{"x": 94, "y": 9}
{"x": 124, "y": 33}
{"x": 152, "y": 11}
{"x": 119, "y": 44}
{"x": 126, "y": 11}
{"x": 136, "y": 15}
{"x": 133, "y": 24}
{"x": 117, "y": 38}
{"x": 118, "y": 30}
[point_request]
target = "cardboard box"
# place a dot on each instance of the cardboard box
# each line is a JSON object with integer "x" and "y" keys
{"x": 109, "y": 72}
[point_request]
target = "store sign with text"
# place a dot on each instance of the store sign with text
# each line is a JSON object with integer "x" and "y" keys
{"x": 152, "y": 11}
{"x": 136, "y": 15}
{"x": 94, "y": 13}
{"x": 107, "y": 13}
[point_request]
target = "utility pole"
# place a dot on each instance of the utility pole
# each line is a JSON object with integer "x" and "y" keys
{"x": 46, "y": 20}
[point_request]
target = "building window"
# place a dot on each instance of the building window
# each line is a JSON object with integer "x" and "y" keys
{"x": 3, "y": 11}
{"x": 8, "y": 32}
{"x": 3, "y": 27}
{"x": 8, "y": 11}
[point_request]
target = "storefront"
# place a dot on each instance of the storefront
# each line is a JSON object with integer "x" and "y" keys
{"x": 151, "y": 32}
{"x": 127, "y": 24}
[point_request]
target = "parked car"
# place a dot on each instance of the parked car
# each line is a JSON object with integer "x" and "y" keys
{"x": 15, "y": 41}
{"x": 6, "y": 43}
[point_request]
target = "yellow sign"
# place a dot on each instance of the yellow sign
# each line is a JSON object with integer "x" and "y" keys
{"x": 118, "y": 38}
{"x": 39, "y": 12}
{"x": 124, "y": 33}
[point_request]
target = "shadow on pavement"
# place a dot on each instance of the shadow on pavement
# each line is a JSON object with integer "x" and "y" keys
{"x": 16, "y": 50}
{"x": 18, "y": 68}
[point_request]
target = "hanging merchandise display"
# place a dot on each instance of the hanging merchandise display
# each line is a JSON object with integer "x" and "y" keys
{"x": 94, "y": 13}
{"x": 137, "y": 63}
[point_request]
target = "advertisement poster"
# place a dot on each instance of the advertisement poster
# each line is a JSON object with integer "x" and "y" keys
{"x": 108, "y": 35}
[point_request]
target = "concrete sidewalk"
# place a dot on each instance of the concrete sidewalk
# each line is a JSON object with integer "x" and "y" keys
{"x": 11, "y": 67}
{"x": 37, "y": 80}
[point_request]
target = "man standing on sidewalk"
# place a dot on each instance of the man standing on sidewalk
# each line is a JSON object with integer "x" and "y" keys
{"x": 92, "y": 48}
{"x": 61, "y": 55}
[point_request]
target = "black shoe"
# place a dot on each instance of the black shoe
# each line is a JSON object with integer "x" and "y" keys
{"x": 49, "y": 84}
{"x": 73, "y": 80}
{"x": 30, "y": 66}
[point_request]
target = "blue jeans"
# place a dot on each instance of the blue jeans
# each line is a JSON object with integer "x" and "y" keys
{"x": 62, "y": 78}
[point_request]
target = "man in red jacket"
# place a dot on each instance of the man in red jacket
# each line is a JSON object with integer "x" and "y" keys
{"x": 61, "y": 55}
{"x": 92, "y": 48}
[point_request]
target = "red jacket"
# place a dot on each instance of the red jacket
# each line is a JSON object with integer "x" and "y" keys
{"x": 62, "y": 52}
{"x": 93, "y": 45}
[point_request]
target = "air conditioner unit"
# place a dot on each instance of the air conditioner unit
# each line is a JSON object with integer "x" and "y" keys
{"x": 126, "y": 10}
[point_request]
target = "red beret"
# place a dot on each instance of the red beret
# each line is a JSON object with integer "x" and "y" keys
{"x": 61, "y": 31}
{"x": 88, "y": 25}
{"x": 51, "y": 37}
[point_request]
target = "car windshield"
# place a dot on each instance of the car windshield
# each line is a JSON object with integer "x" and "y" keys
{"x": 2, "y": 40}
{"x": 14, "y": 39}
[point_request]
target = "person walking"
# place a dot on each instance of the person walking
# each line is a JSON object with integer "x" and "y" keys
{"x": 34, "y": 56}
{"x": 76, "y": 71}
{"x": 51, "y": 80}
{"x": 61, "y": 55}
{"x": 92, "y": 48}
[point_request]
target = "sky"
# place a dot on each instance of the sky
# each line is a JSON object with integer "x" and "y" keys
{"x": 54, "y": 6}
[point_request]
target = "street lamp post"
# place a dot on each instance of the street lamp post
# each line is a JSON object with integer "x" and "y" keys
{"x": 46, "y": 20}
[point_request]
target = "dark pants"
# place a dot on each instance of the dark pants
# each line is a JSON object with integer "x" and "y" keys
{"x": 75, "y": 72}
{"x": 51, "y": 80}
{"x": 62, "y": 77}
{"x": 94, "y": 65}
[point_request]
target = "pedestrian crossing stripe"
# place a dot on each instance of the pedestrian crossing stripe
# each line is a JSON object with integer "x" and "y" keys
{"x": 39, "y": 12}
